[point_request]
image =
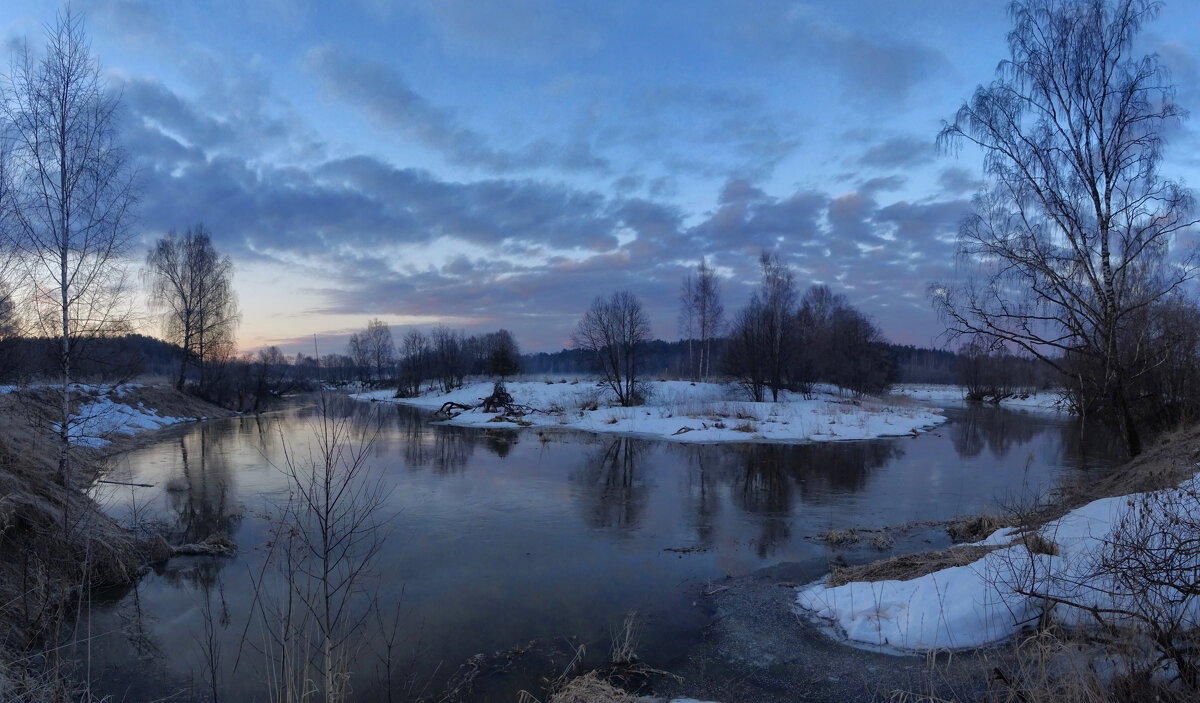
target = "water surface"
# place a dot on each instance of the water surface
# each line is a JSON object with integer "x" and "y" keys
{"x": 499, "y": 538}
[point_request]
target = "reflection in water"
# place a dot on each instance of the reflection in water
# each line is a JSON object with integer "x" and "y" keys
{"x": 444, "y": 448}
{"x": 200, "y": 496}
{"x": 766, "y": 491}
{"x": 998, "y": 431}
{"x": 501, "y": 442}
{"x": 613, "y": 495}
{"x": 702, "y": 498}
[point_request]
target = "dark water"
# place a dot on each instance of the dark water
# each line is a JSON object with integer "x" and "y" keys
{"x": 499, "y": 538}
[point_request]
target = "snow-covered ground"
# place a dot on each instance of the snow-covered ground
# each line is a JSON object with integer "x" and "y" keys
{"x": 936, "y": 394}
{"x": 101, "y": 416}
{"x": 691, "y": 412}
{"x": 982, "y": 602}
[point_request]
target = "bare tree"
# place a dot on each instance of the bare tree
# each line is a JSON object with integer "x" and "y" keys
{"x": 448, "y": 360}
{"x": 613, "y": 331}
{"x": 778, "y": 299}
{"x": 710, "y": 314}
{"x": 743, "y": 358}
{"x": 701, "y": 317}
{"x": 814, "y": 323}
{"x": 191, "y": 288}
{"x": 414, "y": 364}
{"x": 687, "y": 321}
{"x": 324, "y": 546}
{"x": 382, "y": 348}
{"x": 72, "y": 193}
{"x": 1071, "y": 238}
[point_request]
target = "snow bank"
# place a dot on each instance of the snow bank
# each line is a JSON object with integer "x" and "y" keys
{"x": 690, "y": 412}
{"x": 981, "y": 603}
{"x": 100, "y": 417}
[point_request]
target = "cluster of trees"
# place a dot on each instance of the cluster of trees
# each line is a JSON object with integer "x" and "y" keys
{"x": 780, "y": 342}
{"x": 442, "y": 355}
{"x": 776, "y": 342}
{"x": 993, "y": 374}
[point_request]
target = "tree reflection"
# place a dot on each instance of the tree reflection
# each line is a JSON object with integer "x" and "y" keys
{"x": 995, "y": 428}
{"x": 200, "y": 496}
{"x": 838, "y": 467}
{"x": 702, "y": 497}
{"x": 452, "y": 448}
{"x": 612, "y": 494}
{"x": 765, "y": 481}
{"x": 501, "y": 442}
{"x": 765, "y": 490}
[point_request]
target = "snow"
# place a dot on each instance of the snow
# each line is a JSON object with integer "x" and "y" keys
{"x": 100, "y": 417}
{"x": 938, "y": 394}
{"x": 690, "y": 412}
{"x": 978, "y": 604}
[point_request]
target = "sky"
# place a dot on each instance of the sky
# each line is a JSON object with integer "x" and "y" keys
{"x": 500, "y": 164}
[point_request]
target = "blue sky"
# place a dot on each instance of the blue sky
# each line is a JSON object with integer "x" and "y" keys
{"x": 498, "y": 164}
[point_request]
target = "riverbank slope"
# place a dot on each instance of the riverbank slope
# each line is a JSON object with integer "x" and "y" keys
{"x": 55, "y": 541}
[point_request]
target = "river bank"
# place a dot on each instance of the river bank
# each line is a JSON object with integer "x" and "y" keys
{"x": 56, "y": 543}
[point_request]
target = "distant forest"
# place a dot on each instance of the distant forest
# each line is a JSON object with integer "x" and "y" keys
{"x": 120, "y": 357}
{"x": 670, "y": 360}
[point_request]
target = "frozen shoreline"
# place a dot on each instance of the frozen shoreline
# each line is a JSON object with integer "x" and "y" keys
{"x": 987, "y": 601}
{"x": 690, "y": 412}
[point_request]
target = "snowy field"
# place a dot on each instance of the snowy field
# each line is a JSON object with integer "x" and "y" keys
{"x": 691, "y": 412}
{"x": 101, "y": 416}
{"x": 983, "y": 602}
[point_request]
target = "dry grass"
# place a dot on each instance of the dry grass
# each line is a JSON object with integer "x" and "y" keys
{"x": 590, "y": 688}
{"x": 974, "y": 529}
{"x": 909, "y": 567}
{"x": 839, "y": 538}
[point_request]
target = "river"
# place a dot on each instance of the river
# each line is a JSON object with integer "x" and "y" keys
{"x": 507, "y": 541}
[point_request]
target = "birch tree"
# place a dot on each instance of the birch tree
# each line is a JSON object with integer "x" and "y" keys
{"x": 72, "y": 193}
{"x": 1072, "y": 237}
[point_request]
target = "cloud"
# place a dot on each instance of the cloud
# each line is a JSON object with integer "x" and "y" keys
{"x": 526, "y": 31}
{"x": 957, "y": 181}
{"x": 876, "y": 72}
{"x": 899, "y": 152}
{"x": 709, "y": 131}
{"x": 374, "y": 238}
{"x": 392, "y": 104}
